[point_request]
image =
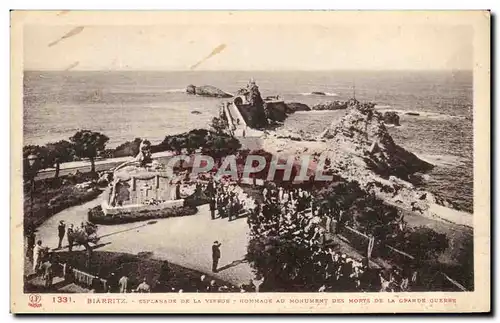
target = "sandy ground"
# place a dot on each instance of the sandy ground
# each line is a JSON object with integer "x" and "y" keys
{"x": 185, "y": 241}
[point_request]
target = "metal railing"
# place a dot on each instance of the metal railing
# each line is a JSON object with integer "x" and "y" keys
{"x": 83, "y": 278}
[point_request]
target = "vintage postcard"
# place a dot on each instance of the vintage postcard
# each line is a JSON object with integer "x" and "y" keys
{"x": 250, "y": 162}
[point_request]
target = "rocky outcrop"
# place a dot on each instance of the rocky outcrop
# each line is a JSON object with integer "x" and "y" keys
{"x": 208, "y": 91}
{"x": 253, "y": 107}
{"x": 279, "y": 110}
{"x": 363, "y": 129}
{"x": 391, "y": 117}
{"x": 333, "y": 105}
{"x": 360, "y": 148}
{"x": 191, "y": 89}
{"x": 318, "y": 93}
{"x": 276, "y": 110}
{"x": 297, "y": 106}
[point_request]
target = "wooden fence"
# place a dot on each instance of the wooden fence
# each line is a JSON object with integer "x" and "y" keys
{"x": 361, "y": 242}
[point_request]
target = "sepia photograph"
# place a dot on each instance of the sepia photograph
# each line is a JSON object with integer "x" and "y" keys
{"x": 250, "y": 154}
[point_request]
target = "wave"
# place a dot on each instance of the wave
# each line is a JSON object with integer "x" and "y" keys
{"x": 443, "y": 160}
{"x": 316, "y": 94}
{"x": 388, "y": 126}
{"x": 418, "y": 114}
{"x": 175, "y": 90}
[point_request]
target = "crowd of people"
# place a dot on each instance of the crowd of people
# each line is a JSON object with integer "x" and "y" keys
{"x": 292, "y": 215}
{"x": 40, "y": 256}
{"x": 227, "y": 200}
{"x": 202, "y": 285}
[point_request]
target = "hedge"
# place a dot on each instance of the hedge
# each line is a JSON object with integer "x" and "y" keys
{"x": 97, "y": 216}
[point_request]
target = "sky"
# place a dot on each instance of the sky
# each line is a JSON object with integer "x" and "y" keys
{"x": 248, "y": 47}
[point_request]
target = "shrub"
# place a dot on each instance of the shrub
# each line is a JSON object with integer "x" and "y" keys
{"x": 214, "y": 144}
{"x": 97, "y": 216}
{"x": 89, "y": 144}
{"x": 286, "y": 264}
{"x": 129, "y": 148}
{"x": 65, "y": 197}
{"x": 422, "y": 242}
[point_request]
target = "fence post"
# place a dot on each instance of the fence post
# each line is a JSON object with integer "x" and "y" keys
{"x": 371, "y": 243}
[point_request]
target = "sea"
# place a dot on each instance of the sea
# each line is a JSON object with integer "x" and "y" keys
{"x": 145, "y": 104}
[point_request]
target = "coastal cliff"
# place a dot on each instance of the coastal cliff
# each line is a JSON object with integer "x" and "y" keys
{"x": 360, "y": 148}
{"x": 260, "y": 113}
{"x": 363, "y": 130}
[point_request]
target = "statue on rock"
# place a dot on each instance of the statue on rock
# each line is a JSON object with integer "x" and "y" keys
{"x": 142, "y": 159}
{"x": 255, "y": 102}
{"x": 144, "y": 155}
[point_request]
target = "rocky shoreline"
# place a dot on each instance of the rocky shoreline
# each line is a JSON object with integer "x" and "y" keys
{"x": 360, "y": 148}
{"x": 332, "y": 105}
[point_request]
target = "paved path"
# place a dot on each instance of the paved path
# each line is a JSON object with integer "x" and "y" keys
{"x": 100, "y": 165}
{"x": 185, "y": 241}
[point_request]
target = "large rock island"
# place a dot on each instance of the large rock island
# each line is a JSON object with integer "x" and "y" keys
{"x": 208, "y": 91}
{"x": 332, "y": 105}
{"x": 391, "y": 117}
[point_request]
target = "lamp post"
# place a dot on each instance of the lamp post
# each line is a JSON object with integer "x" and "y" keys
{"x": 32, "y": 172}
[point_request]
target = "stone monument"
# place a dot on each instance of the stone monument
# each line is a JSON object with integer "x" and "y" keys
{"x": 142, "y": 184}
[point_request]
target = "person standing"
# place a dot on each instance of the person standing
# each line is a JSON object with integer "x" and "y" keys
{"x": 61, "y": 228}
{"x": 69, "y": 235}
{"x": 123, "y": 284}
{"x": 48, "y": 272}
{"x": 143, "y": 287}
{"x": 230, "y": 208}
{"x": 112, "y": 283}
{"x": 30, "y": 243}
{"x": 212, "y": 208}
{"x": 37, "y": 255}
{"x": 215, "y": 255}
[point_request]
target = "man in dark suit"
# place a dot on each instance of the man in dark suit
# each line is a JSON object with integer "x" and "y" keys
{"x": 69, "y": 235}
{"x": 61, "y": 228}
{"x": 215, "y": 255}
{"x": 212, "y": 208}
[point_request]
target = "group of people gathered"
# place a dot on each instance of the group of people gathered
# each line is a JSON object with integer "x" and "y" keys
{"x": 226, "y": 200}
{"x": 293, "y": 216}
{"x": 41, "y": 256}
{"x": 203, "y": 285}
{"x": 167, "y": 282}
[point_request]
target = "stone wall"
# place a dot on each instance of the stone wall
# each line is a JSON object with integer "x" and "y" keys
{"x": 139, "y": 190}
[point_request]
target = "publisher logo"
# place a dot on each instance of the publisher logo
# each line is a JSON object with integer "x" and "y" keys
{"x": 35, "y": 300}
